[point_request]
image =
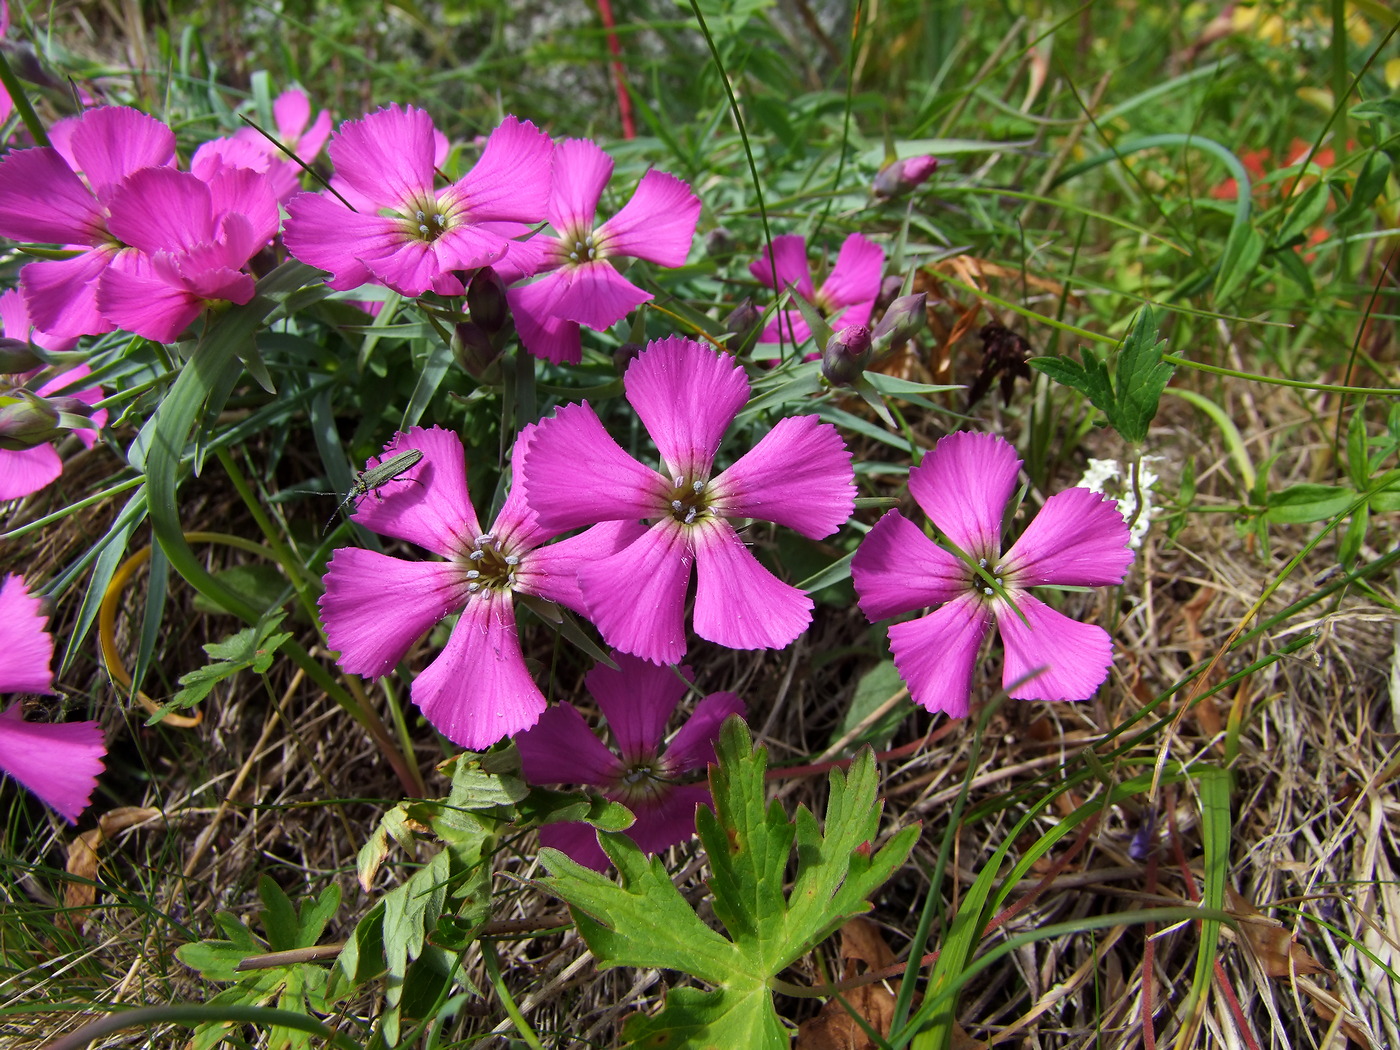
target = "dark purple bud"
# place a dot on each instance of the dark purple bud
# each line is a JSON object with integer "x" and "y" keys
{"x": 902, "y": 176}
{"x": 486, "y": 300}
{"x": 27, "y": 421}
{"x": 846, "y": 355}
{"x": 719, "y": 241}
{"x": 905, "y": 316}
{"x": 890, "y": 288}
{"x": 17, "y": 356}
{"x": 475, "y": 351}
{"x": 624, "y": 355}
{"x": 741, "y": 323}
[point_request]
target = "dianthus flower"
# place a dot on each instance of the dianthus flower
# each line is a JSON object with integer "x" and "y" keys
{"x": 581, "y": 286}
{"x": 1077, "y": 539}
{"x": 26, "y": 471}
{"x": 637, "y": 700}
{"x": 43, "y": 199}
{"x": 686, "y": 394}
{"x": 58, "y": 762}
{"x": 477, "y": 690}
{"x": 192, "y": 236}
{"x": 413, "y": 237}
{"x": 291, "y": 113}
{"x": 846, "y": 297}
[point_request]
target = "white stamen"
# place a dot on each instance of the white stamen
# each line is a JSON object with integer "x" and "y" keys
{"x": 514, "y": 559}
{"x": 476, "y": 555}
{"x": 473, "y": 574}
{"x": 676, "y": 505}
{"x": 697, "y": 487}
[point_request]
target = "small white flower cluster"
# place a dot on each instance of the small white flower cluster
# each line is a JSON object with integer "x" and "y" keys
{"x": 1102, "y": 471}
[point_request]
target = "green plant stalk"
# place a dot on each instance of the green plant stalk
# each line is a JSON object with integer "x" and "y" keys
{"x": 1297, "y": 384}
{"x": 21, "y": 101}
{"x": 191, "y": 1016}
{"x": 493, "y": 972}
{"x": 1234, "y": 440}
{"x": 59, "y": 515}
{"x": 281, "y": 553}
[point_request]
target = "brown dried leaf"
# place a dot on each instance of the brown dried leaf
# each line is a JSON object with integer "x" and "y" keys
{"x": 1277, "y": 951}
{"x": 82, "y": 857}
{"x": 835, "y": 1029}
{"x": 1327, "y": 1007}
{"x": 861, "y": 941}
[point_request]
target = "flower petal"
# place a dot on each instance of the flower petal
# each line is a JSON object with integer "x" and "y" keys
{"x": 387, "y": 156}
{"x": 935, "y": 654}
{"x": 428, "y": 504}
{"x": 964, "y": 485}
{"x": 375, "y": 607}
{"x": 576, "y": 474}
{"x": 512, "y": 180}
{"x": 577, "y": 841}
{"x": 1072, "y": 658}
{"x": 108, "y": 143}
{"x": 161, "y": 208}
{"x": 657, "y": 224}
{"x": 140, "y": 299}
{"x": 637, "y": 596}
{"x": 898, "y": 569}
{"x": 790, "y": 256}
{"x": 670, "y": 820}
{"x": 552, "y": 572}
{"x": 322, "y": 232}
{"x": 592, "y": 293}
{"x": 693, "y": 746}
{"x": 561, "y": 749}
{"x": 479, "y": 690}
{"x": 24, "y": 472}
{"x": 637, "y": 700}
{"x": 799, "y": 475}
{"x": 59, "y": 763}
{"x": 545, "y": 336}
{"x": 686, "y": 395}
{"x": 581, "y": 173}
{"x": 42, "y": 200}
{"x": 26, "y": 647}
{"x": 62, "y": 293}
{"x": 739, "y": 603}
{"x": 855, "y": 279}
{"x": 788, "y": 327}
{"x": 1078, "y": 538}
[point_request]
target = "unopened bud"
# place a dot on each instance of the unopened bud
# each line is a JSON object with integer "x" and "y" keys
{"x": 741, "y": 323}
{"x": 846, "y": 355}
{"x": 902, "y": 176}
{"x": 71, "y": 406}
{"x": 719, "y": 241}
{"x": 475, "y": 352}
{"x": 905, "y": 316}
{"x": 26, "y": 421}
{"x": 624, "y": 355}
{"x": 486, "y": 300}
{"x": 17, "y": 356}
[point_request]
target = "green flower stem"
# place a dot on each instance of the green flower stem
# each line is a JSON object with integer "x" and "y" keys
{"x": 493, "y": 972}
{"x": 21, "y": 101}
{"x": 1300, "y": 384}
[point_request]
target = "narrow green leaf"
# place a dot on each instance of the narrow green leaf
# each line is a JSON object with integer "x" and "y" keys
{"x": 1243, "y": 250}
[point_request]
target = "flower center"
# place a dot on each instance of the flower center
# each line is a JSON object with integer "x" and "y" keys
{"x": 688, "y": 500}
{"x": 645, "y": 782}
{"x": 979, "y": 582}
{"x": 425, "y": 220}
{"x": 492, "y": 568}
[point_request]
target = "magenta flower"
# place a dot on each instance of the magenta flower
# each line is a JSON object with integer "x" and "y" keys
{"x": 413, "y": 236}
{"x": 845, "y": 298}
{"x": 43, "y": 199}
{"x": 581, "y": 286}
{"x": 477, "y": 690}
{"x": 193, "y": 237}
{"x": 57, "y": 762}
{"x": 637, "y": 700}
{"x": 291, "y": 112}
{"x": 686, "y": 394}
{"x": 1077, "y": 539}
{"x": 26, "y": 471}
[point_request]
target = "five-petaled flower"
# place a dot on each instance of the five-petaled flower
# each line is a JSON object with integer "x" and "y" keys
{"x": 581, "y": 286}
{"x": 1077, "y": 539}
{"x": 403, "y": 232}
{"x": 846, "y": 297}
{"x": 637, "y": 700}
{"x": 686, "y": 394}
{"x": 58, "y": 762}
{"x": 478, "y": 689}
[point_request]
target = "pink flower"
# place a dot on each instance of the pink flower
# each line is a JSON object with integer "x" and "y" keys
{"x": 845, "y": 298}
{"x": 291, "y": 111}
{"x": 1077, "y": 539}
{"x": 412, "y": 237}
{"x": 637, "y": 700}
{"x": 193, "y": 237}
{"x": 57, "y": 762}
{"x": 477, "y": 690}
{"x": 901, "y": 176}
{"x": 43, "y": 199}
{"x": 26, "y": 471}
{"x": 686, "y": 394}
{"x": 582, "y": 287}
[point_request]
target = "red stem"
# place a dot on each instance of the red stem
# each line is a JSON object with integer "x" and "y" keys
{"x": 624, "y": 100}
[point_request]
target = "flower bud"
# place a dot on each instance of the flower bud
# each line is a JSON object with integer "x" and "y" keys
{"x": 16, "y": 355}
{"x": 905, "y": 316}
{"x": 475, "y": 352}
{"x": 901, "y": 176}
{"x": 486, "y": 300}
{"x": 27, "y": 421}
{"x": 741, "y": 323}
{"x": 719, "y": 241}
{"x": 846, "y": 355}
{"x": 624, "y": 355}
